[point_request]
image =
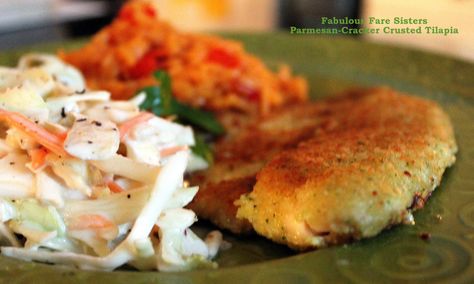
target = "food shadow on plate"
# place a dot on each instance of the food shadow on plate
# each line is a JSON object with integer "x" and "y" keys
{"x": 244, "y": 249}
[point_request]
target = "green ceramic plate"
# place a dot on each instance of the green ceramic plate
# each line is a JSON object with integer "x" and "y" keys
{"x": 396, "y": 255}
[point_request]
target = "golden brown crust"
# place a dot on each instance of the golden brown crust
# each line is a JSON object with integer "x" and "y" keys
{"x": 237, "y": 159}
{"x": 355, "y": 179}
{"x": 219, "y": 187}
{"x": 331, "y": 171}
{"x": 216, "y": 203}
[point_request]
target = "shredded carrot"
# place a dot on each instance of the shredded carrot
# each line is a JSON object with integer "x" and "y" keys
{"x": 62, "y": 135}
{"x": 127, "y": 126}
{"x": 90, "y": 221}
{"x": 114, "y": 187}
{"x": 38, "y": 157}
{"x": 39, "y": 134}
{"x": 172, "y": 150}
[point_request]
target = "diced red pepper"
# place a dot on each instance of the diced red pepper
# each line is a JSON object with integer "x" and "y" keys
{"x": 131, "y": 14}
{"x": 251, "y": 92}
{"x": 223, "y": 57}
{"x": 127, "y": 13}
{"x": 150, "y": 62}
{"x": 149, "y": 10}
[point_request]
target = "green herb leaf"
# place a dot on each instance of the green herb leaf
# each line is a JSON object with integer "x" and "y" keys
{"x": 202, "y": 119}
{"x": 166, "y": 96}
{"x": 152, "y": 100}
{"x": 160, "y": 101}
{"x": 202, "y": 149}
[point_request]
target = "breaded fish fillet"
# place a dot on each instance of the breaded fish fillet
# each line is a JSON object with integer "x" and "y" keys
{"x": 241, "y": 154}
{"x": 331, "y": 171}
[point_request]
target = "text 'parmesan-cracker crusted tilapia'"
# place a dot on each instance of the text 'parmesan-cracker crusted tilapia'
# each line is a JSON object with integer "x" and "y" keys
{"x": 328, "y": 172}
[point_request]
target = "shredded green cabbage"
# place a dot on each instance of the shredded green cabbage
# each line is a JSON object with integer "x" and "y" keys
{"x": 80, "y": 192}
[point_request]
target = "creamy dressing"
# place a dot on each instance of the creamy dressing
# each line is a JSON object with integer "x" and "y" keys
{"x": 84, "y": 184}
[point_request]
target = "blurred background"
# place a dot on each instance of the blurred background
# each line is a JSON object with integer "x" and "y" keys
{"x": 26, "y": 22}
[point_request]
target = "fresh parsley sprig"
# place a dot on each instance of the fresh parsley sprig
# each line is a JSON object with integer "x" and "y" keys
{"x": 161, "y": 102}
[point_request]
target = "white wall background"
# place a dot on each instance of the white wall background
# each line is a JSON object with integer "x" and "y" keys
{"x": 444, "y": 13}
{"x": 198, "y": 15}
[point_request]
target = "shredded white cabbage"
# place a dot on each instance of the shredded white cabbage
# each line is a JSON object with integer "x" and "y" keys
{"x": 80, "y": 191}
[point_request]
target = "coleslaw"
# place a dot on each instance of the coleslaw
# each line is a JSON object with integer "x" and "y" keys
{"x": 90, "y": 182}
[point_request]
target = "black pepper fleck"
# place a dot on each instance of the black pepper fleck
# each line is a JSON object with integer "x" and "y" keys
{"x": 12, "y": 163}
{"x": 418, "y": 202}
{"x": 89, "y": 142}
{"x": 63, "y": 112}
{"x": 81, "y": 119}
{"x": 81, "y": 91}
{"x": 425, "y": 236}
{"x": 129, "y": 196}
{"x": 35, "y": 63}
{"x": 97, "y": 123}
